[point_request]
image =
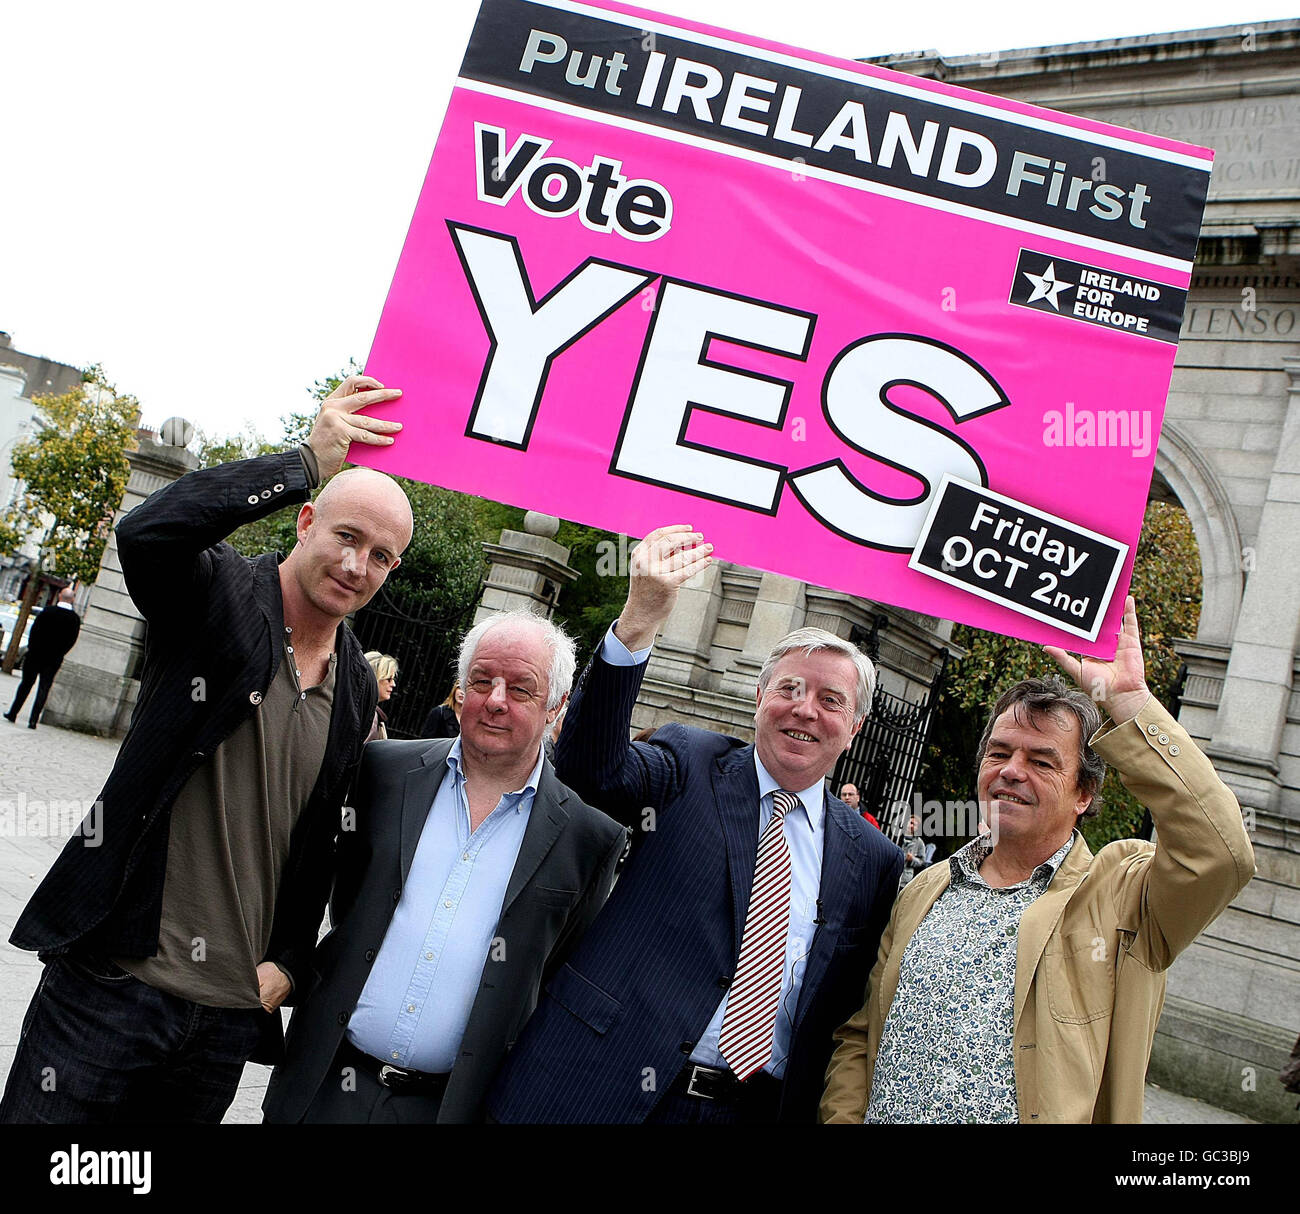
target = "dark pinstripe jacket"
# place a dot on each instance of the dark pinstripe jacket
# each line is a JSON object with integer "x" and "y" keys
{"x": 619, "y": 1019}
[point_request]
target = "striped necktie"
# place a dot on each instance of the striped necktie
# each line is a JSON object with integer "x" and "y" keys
{"x": 750, "y": 1019}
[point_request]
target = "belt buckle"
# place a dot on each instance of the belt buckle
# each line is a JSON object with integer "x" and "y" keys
{"x": 392, "y": 1076}
{"x": 696, "y": 1072}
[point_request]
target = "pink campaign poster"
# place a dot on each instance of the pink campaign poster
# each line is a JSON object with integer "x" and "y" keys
{"x": 873, "y": 332}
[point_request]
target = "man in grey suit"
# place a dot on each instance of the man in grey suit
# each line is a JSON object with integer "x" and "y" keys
{"x": 467, "y": 875}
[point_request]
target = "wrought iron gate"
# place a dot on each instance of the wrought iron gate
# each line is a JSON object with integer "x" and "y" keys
{"x": 886, "y": 756}
{"x": 424, "y": 645}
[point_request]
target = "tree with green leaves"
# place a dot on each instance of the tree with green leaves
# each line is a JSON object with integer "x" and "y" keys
{"x": 73, "y": 473}
{"x": 1167, "y": 587}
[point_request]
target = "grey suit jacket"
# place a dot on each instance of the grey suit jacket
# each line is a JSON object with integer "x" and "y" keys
{"x": 559, "y": 882}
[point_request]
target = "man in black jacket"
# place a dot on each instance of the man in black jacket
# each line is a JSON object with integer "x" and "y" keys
{"x": 173, "y": 930}
{"x": 470, "y": 875}
{"x": 53, "y": 633}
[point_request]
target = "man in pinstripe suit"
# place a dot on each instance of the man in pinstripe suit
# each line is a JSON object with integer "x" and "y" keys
{"x": 749, "y": 885}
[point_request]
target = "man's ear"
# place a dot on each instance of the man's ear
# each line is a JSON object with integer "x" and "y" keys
{"x": 306, "y": 516}
{"x": 555, "y": 712}
{"x": 397, "y": 560}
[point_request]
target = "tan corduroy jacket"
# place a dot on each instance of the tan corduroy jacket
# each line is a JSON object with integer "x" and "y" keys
{"x": 1092, "y": 951}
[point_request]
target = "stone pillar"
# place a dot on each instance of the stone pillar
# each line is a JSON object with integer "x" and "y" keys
{"x": 1257, "y": 687}
{"x": 681, "y": 653}
{"x": 778, "y": 610}
{"x": 98, "y": 682}
{"x": 528, "y": 569}
{"x": 1230, "y": 1010}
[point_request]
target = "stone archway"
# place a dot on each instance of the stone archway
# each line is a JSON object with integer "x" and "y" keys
{"x": 1184, "y": 476}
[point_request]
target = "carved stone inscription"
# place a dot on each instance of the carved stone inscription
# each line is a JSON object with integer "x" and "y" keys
{"x": 1256, "y": 142}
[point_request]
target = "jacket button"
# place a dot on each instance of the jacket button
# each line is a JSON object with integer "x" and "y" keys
{"x": 343, "y": 1017}
{"x": 265, "y": 494}
{"x": 397, "y": 895}
{"x": 1163, "y": 739}
{"x": 1153, "y": 730}
{"x": 724, "y": 983}
{"x": 198, "y": 754}
{"x": 370, "y": 954}
{"x": 254, "y": 697}
{"x": 253, "y": 499}
{"x": 279, "y": 488}
{"x": 686, "y": 1047}
{"x": 1175, "y": 749}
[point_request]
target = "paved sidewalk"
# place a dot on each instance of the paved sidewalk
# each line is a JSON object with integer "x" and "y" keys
{"x": 38, "y": 767}
{"x": 47, "y": 765}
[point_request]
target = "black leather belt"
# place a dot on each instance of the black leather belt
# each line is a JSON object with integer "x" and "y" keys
{"x": 709, "y": 1083}
{"x": 398, "y": 1078}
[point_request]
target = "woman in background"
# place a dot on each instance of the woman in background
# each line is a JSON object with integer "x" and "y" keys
{"x": 385, "y": 667}
{"x": 444, "y": 721}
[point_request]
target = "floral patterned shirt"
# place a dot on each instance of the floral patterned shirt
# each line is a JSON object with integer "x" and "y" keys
{"x": 945, "y": 1048}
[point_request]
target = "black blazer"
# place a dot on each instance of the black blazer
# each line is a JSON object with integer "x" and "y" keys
{"x": 618, "y": 1021}
{"x": 213, "y": 645}
{"x": 53, "y": 633}
{"x": 560, "y": 880}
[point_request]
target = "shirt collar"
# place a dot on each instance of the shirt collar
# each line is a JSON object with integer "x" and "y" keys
{"x": 521, "y": 794}
{"x": 966, "y": 861}
{"x": 812, "y": 798}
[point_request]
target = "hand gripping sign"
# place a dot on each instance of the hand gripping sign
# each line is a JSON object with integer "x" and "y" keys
{"x": 866, "y": 330}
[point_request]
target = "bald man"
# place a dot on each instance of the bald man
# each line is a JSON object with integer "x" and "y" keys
{"x": 187, "y": 909}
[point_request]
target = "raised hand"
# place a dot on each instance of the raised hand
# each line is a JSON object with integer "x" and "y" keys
{"x": 660, "y": 565}
{"x": 1118, "y": 686}
{"x": 338, "y": 425}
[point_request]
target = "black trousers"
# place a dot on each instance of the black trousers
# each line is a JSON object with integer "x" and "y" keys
{"x": 758, "y": 1106}
{"x": 350, "y": 1094}
{"x": 31, "y": 674}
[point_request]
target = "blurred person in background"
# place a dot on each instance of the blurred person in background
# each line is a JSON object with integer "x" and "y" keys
{"x": 444, "y": 721}
{"x": 385, "y": 667}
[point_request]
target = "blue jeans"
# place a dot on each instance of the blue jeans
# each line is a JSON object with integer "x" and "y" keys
{"x": 99, "y": 1046}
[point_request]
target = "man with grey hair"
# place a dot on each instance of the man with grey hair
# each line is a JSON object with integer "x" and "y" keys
{"x": 469, "y": 874}
{"x": 752, "y": 902}
{"x": 1022, "y": 981}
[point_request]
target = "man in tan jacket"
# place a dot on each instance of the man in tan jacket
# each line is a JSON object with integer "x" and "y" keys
{"x": 1023, "y": 980}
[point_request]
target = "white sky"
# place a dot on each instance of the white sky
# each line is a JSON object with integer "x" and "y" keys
{"x": 210, "y": 200}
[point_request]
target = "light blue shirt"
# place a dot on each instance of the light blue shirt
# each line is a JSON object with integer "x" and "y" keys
{"x": 417, "y": 1000}
{"x": 805, "y": 833}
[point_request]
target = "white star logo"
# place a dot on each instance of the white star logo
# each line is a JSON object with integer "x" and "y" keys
{"x": 1047, "y": 286}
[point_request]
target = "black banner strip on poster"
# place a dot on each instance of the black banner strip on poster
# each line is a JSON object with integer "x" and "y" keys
{"x": 1025, "y": 559}
{"x": 1096, "y": 295}
{"x": 1078, "y": 184}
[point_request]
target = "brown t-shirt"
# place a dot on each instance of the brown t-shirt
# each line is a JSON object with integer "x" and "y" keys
{"x": 229, "y": 840}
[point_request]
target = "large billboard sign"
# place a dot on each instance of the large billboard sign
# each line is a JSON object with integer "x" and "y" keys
{"x": 871, "y": 331}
